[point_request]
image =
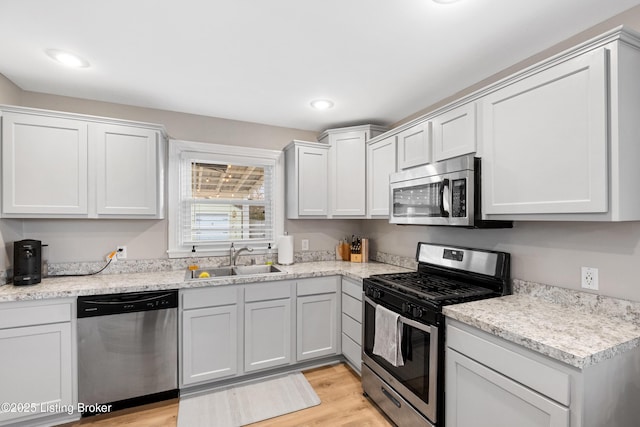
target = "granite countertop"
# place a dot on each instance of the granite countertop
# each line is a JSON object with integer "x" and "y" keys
{"x": 64, "y": 287}
{"x": 574, "y": 335}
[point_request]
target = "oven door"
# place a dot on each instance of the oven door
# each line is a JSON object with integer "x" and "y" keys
{"x": 445, "y": 199}
{"x": 417, "y": 380}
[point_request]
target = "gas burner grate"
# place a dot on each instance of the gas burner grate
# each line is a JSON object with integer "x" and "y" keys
{"x": 433, "y": 288}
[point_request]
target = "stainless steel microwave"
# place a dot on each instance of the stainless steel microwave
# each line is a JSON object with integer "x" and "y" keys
{"x": 442, "y": 193}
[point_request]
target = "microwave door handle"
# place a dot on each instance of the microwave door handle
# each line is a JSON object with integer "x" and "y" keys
{"x": 444, "y": 210}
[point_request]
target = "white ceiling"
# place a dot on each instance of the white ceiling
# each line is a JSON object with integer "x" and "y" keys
{"x": 264, "y": 60}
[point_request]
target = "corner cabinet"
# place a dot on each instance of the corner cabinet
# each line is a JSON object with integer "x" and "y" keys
{"x": 347, "y": 169}
{"x": 560, "y": 140}
{"x": 307, "y": 179}
{"x": 37, "y": 361}
{"x": 59, "y": 165}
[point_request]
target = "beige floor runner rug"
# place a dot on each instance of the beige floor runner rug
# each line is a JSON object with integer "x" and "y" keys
{"x": 248, "y": 403}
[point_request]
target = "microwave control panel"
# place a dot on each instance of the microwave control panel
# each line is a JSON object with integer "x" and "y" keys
{"x": 459, "y": 198}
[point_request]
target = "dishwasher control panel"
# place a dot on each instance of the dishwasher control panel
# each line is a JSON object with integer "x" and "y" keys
{"x": 103, "y": 305}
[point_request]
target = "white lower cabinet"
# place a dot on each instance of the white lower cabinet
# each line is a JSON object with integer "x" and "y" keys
{"x": 235, "y": 330}
{"x": 352, "y": 322}
{"x": 490, "y": 382}
{"x": 209, "y": 334}
{"x": 267, "y": 325}
{"x": 317, "y": 322}
{"x": 37, "y": 362}
{"x": 483, "y": 394}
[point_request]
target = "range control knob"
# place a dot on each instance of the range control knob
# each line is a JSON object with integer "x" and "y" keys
{"x": 417, "y": 312}
{"x": 406, "y": 307}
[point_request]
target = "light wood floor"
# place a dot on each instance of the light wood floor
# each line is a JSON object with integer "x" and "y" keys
{"x": 337, "y": 386}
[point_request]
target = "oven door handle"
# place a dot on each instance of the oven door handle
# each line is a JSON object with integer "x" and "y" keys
{"x": 430, "y": 329}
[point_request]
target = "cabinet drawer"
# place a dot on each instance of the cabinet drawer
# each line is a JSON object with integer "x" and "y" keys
{"x": 544, "y": 379}
{"x": 267, "y": 291}
{"x": 209, "y": 297}
{"x": 36, "y": 314}
{"x": 352, "y": 329}
{"x": 352, "y": 307}
{"x": 352, "y": 351}
{"x": 318, "y": 285}
{"x": 352, "y": 288}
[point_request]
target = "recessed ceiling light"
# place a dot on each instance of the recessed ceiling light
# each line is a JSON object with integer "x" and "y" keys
{"x": 321, "y": 104}
{"x": 67, "y": 58}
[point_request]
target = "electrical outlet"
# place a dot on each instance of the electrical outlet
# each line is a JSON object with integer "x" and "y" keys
{"x": 305, "y": 244}
{"x": 590, "y": 278}
{"x": 122, "y": 252}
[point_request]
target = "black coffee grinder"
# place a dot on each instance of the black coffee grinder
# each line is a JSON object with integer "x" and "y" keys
{"x": 27, "y": 262}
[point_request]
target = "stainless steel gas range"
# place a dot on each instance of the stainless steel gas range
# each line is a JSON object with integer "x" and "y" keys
{"x": 403, "y": 329}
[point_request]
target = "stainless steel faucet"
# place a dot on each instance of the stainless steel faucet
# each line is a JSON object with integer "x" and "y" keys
{"x": 233, "y": 254}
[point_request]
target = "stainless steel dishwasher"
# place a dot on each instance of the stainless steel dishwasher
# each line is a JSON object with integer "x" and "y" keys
{"x": 127, "y": 349}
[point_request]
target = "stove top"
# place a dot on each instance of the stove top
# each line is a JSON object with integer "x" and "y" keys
{"x": 446, "y": 275}
{"x": 437, "y": 289}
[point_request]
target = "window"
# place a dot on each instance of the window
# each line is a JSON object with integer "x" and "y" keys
{"x": 220, "y": 195}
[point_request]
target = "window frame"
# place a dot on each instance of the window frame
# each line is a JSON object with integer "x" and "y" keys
{"x": 178, "y": 149}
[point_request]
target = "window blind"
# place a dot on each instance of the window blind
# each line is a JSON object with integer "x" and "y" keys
{"x": 226, "y": 201}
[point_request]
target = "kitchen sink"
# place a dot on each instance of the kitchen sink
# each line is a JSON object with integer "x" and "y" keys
{"x": 241, "y": 270}
{"x": 238, "y": 270}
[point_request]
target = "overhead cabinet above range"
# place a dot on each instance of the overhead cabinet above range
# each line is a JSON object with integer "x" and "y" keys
{"x": 59, "y": 165}
{"x": 561, "y": 141}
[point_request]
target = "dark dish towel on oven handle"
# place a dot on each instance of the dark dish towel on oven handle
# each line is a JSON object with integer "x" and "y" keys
{"x": 387, "y": 339}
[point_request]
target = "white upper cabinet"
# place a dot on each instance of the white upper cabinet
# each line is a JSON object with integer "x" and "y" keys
{"x": 454, "y": 133}
{"x": 560, "y": 141}
{"x": 126, "y": 169}
{"x": 546, "y": 141}
{"x": 414, "y": 146}
{"x": 307, "y": 179}
{"x": 347, "y": 169}
{"x": 44, "y": 165}
{"x": 327, "y": 179}
{"x": 381, "y": 162}
{"x": 59, "y": 165}
{"x": 347, "y": 177}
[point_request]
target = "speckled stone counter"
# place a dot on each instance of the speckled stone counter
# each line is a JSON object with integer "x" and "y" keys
{"x": 64, "y": 287}
{"x": 574, "y": 335}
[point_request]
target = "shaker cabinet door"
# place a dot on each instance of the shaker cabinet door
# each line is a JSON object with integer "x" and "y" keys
{"x": 347, "y": 173}
{"x": 209, "y": 343}
{"x": 454, "y": 132}
{"x": 381, "y": 162}
{"x": 316, "y": 326}
{"x": 126, "y": 160}
{"x": 36, "y": 367}
{"x": 312, "y": 164}
{"x": 477, "y": 396}
{"x": 545, "y": 141}
{"x": 414, "y": 146}
{"x": 267, "y": 334}
{"x": 44, "y": 165}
